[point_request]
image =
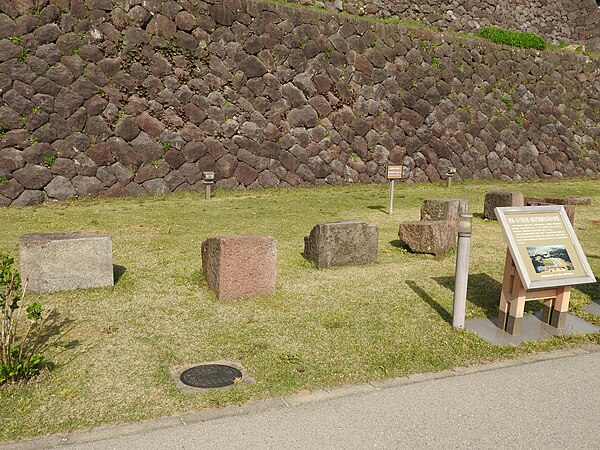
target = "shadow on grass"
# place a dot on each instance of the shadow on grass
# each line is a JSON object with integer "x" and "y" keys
{"x": 53, "y": 337}
{"x": 118, "y": 272}
{"x": 378, "y": 207}
{"x": 445, "y": 315}
{"x": 592, "y": 290}
{"x": 482, "y": 290}
{"x": 399, "y": 244}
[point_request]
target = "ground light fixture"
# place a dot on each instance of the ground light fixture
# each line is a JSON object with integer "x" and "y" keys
{"x": 449, "y": 175}
{"x": 208, "y": 178}
{"x": 465, "y": 226}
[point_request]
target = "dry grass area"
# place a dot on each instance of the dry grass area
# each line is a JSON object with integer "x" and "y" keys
{"x": 112, "y": 348}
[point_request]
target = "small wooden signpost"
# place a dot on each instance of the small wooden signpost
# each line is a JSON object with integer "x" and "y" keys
{"x": 543, "y": 260}
{"x": 394, "y": 172}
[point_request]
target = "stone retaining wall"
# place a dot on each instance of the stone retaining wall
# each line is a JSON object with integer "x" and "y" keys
{"x": 572, "y": 20}
{"x": 110, "y": 98}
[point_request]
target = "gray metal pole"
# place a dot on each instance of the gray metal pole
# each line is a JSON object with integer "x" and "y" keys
{"x": 462, "y": 275}
{"x": 391, "y": 200}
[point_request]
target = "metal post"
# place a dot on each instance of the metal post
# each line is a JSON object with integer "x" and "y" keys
{"x": 462, "y": 271}
{"x": 391, "y": 201}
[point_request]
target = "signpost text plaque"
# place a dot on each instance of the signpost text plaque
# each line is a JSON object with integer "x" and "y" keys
{"x": 395, "y": 172}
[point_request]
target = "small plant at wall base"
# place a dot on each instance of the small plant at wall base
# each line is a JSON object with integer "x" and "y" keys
{"x": 20, "y": 356}
{"x": 513, "y": 38}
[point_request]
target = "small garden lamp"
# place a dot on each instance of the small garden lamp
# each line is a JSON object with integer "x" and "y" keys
{"x": 449, "y": 175}
{"x": 208, "y": 180}
{"x": 465, "y": 224}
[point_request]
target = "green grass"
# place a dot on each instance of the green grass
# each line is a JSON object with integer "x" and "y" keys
{"x": 113, "y": 347}
{"x": 513, "y": 38}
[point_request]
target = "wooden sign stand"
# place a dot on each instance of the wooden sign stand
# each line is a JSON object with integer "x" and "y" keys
{"x": 514, "y": 295}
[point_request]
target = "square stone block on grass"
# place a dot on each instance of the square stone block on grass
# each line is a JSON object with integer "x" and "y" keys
{"x": 569, "y": 208}
{"x": 344, "y": 243}
{"x": 500, "y": 198}
{"x": 434, "y": 209}
{"x": 436, "y": 237}
{"x": 65, "y": 261}
{"x": 240, "y": 266}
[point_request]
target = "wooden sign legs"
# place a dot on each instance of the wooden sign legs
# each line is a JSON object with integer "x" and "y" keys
{"x": 514, "y": 295}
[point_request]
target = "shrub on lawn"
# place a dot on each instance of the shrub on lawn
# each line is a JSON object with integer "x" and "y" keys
{"x": 514, "y": 38}
{"x": 21, "y": 325}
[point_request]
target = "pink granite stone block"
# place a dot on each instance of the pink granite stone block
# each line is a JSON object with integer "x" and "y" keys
{"x": 240, "y": 266}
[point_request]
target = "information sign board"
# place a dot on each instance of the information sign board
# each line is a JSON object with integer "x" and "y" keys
{"x": 395, "y": 172}
{"x": 544, "y": 246}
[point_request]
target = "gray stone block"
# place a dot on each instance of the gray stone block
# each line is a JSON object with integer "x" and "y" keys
{"x": 342, "y": 244}
{"x": 500, "y": 198}
{"x": 65, "y": 261}
{"x": 434, "y": 209}
{"x": 436, "y": 237}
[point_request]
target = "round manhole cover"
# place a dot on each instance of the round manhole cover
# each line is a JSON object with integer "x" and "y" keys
{"x": 210, "y": 376}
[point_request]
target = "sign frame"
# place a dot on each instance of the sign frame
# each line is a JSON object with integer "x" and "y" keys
{"x": 570, "y": 239}
{"x": 391, "y": 172}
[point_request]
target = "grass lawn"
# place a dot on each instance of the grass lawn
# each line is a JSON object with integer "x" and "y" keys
{"x": 113, "y": 347}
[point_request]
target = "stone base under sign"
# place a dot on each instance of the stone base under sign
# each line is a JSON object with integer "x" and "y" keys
{"x": 594, "y": 307}
{"x": 533, "y": 329}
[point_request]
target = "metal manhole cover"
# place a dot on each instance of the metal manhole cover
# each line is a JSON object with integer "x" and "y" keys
{"x": 209, "y": 376}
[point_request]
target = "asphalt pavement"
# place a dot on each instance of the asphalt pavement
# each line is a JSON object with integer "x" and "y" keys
{"x": 546, "y": 401}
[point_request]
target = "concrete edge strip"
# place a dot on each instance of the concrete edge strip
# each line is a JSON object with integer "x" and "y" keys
{"x": 112, "y": 431}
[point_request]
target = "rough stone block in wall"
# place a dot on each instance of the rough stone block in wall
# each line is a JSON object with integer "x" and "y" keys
{"x": 498, "y": 197}
{"x": 344, "y": 243}
{"x": 66, "y": 261}
{"x": 240, "y": 266}
{"x": 444, "y": 208}
{"x": 436, "y": 237}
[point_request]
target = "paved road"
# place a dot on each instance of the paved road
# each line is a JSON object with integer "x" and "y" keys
{"x": 546, "y": 401}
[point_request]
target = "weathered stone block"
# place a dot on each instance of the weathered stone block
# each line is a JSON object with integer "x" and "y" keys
{"x": 443, "y": 209}
{"x": 500, "y": 198}
{"x": 436, "y": 237}
{"x": 569, "y": 207}
{"x": 240, "y": 266}
{"x": 569, "y": 200}
{"x": 66, "y": 261}
{"x": 342, "y": 244}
